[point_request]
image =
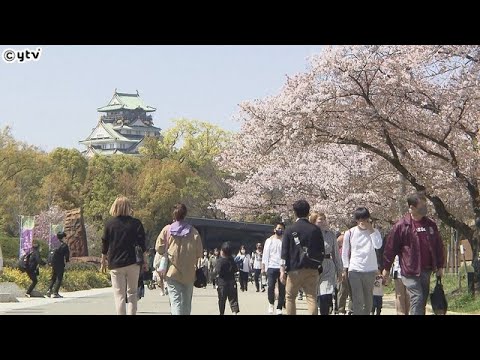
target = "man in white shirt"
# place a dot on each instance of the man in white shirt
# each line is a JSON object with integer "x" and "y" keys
{"x": 271, "y": 261}
{"x": 360, "y": 260}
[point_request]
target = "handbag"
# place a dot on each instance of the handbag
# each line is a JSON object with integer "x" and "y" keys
{"x": 162, "y": 268}
{"x": 138, "y": 255}
{"x": 438, "y": 299}
{"x": 164, "y": 262}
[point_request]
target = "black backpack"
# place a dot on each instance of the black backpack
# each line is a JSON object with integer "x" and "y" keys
{"x": 55, "y": 256}
{"x": 438, "y": 299}
{"x": 51, "y": 255}
{"x": 200, "y": 279}
{"x": 24, "y": 262}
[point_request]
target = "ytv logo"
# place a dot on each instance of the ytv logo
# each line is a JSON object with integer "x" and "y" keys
{"x": 11, "y": 55}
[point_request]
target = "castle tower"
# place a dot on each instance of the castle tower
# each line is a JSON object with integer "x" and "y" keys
{"x": 124, "y": 124}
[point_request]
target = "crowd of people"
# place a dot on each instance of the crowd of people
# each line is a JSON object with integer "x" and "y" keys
{"x": 306, "y": 258}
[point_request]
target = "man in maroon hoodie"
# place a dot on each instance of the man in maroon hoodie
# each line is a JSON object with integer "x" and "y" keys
{"x": 416, "y": 240}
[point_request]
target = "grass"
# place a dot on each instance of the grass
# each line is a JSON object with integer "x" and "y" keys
{"x": 459, "y": 300}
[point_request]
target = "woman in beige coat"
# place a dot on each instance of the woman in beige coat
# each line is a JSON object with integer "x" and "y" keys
{"x": 181, "y": 245}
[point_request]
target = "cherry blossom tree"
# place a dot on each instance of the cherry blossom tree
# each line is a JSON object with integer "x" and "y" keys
{"x": 413, "y": 109}
{"x": 53, "y": 216}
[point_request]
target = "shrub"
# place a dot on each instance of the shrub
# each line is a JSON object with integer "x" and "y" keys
{"x": 74, "y": 266}
{"x": 10, "y": 246}
{"x": 73, "y": 280}
{"x": 84, "y": 280}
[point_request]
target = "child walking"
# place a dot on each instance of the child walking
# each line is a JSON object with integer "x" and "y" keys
{"x": 377, "y": 295}
{"x": 225, "y": 268}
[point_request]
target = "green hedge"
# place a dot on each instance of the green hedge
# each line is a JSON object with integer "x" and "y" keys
{"x": 73, "y": 280}
{"x": 10, "y": 246}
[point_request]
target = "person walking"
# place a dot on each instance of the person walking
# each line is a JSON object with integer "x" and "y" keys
{"x": 225, "y": 268}
{"x": 33, "y": 267}
{"x": 61, "y": 255}
{"x": 344, "y": 291}
{"x": 243, "y": 263}
{"x": 303, "y": 250}
{"x": 257, "y": 266}
{"x": 332, "y": 265}
{"x": 271, "y": 264}
{"x": 402, "y": 299}
{"x": 417, "y": 242}
{"x": 182, "y": 247}
{"x": 122, "y": 233}
{"x": 360, "y": 260}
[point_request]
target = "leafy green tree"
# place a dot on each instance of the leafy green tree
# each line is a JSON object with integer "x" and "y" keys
{"x": 21, "y": 170}
{"x": 99, "y": 189}
{"x": 67, "y": 170}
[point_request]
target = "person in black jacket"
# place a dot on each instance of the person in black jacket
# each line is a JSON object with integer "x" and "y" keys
{"x": 303, "y": 251}
{"x": 32, "y": 270}
{"x": 225, "y": 268}
{"x": 121, "y": 235}
{"x": 61, "y": 255}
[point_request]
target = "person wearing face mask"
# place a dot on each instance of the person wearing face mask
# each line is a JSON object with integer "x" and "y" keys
{"x": 271, "y": 263}
{"x": 257, "y": 266}
{"x": 417, "y": 242}
{"x": 212, "y": 262}
{"x": 360, "y": 260}
{"x": 203, "y": 264}
{"x": 332, "y": 265}
{"x": 243, "y": 263}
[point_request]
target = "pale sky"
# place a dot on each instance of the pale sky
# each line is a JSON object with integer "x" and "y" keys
{"x": 53, "y": 102}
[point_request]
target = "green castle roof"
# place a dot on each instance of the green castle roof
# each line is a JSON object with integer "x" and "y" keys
{"x": 126, "y": 101}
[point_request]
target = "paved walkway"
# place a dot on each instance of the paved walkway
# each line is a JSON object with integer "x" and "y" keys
{"x": 100, "y": 302}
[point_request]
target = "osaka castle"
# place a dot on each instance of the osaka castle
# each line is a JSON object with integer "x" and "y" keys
{"x": 123, "y": 125}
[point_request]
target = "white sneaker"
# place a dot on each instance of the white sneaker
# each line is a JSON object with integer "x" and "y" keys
{"x": 279, "y": 312}
{"x": 270, "y": 308}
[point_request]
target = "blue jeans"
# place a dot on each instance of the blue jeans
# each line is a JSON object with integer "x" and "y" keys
{"x": 273, "y": 276}
{"x": 180, "y": 297}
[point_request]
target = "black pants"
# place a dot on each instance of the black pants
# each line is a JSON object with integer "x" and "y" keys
{"x": 32, "y": 274}
{"x": 257, "y": 273}
{"x": 335, "y": 300}
{"x": 325, "y": 302}
{"x": 57, "y": 277}
{"x": 243, "y": 280}
{"x": 273, "y": 276}
{"x": 228, "y": 291}
{"x": 377, "y": 305}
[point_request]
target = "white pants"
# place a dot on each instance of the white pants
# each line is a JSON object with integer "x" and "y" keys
{"x": 125, "y": 281}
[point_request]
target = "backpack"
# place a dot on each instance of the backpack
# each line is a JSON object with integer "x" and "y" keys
{"x": 200, "y": 279}
{"x": 24, "y": 262}
{"x": 239, "y": 262}
{"x": 50, "y": 257}
{"x": 54, "y": 256}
